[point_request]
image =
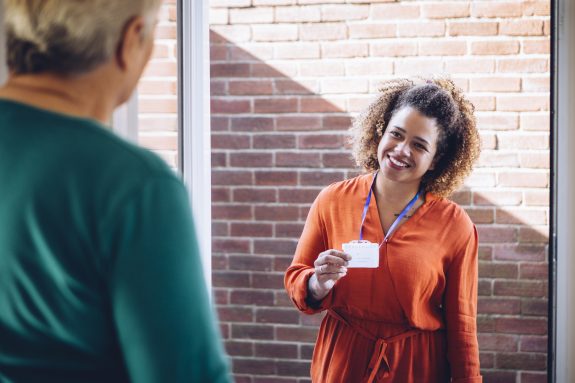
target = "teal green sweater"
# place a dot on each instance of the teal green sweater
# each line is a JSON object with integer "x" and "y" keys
{"x": 100, "y": 275}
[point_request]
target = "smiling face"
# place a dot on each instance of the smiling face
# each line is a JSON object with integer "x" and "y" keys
{"x": 408, "y": 146}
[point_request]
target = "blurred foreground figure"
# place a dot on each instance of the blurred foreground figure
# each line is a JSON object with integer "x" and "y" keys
{"x": 100, "y": 274}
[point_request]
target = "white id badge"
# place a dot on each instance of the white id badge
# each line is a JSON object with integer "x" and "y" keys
{"x": 363, "y": 254}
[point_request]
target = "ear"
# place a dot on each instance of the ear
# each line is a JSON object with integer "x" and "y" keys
{"x": 130, "y": 43}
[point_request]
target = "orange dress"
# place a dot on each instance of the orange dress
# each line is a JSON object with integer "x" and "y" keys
{"x": 413, "y": 319}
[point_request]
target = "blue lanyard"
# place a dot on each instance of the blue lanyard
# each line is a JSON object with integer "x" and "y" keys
{"x": 397, "y": 220}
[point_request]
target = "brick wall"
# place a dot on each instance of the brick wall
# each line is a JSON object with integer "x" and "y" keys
{"x": 287, "y": 77}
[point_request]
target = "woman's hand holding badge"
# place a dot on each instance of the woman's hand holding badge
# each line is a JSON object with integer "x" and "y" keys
{"x": 330, "y": 266}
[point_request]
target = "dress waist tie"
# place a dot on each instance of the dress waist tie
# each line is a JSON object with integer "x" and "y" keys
{"x": 378, "y": 364}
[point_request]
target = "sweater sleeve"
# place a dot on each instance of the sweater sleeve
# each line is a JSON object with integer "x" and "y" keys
{"x": 312, "y": 242}
{"x": 461, "y": 313}
{"x": 165, "y": 324}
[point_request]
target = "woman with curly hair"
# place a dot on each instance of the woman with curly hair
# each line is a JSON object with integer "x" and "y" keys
{"x": 392, "y": 260}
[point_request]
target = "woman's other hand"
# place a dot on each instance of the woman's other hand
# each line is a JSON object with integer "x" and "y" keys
{"x": 330, "y": 266}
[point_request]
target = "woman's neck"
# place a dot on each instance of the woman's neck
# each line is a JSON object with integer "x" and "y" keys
{"x": 394, "y": 193}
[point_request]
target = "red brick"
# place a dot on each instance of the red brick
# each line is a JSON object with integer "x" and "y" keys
{"x": 538, "y": 121}
{"x": 295, "y": 14}
{"x": 535, "y": 160}
{"x": 534, "y": 234}
{"x": 497, "y": 121}
{"x": 296, "y": 334}
{"x": 371, "y": 30}
{"x": 522, "y": 103}
{"x": 521, "y": 361}
{"x": 269, "y": 379}
{"x": 461, "y": 197}
{"x": 219, "y": 123}
{"x": 522, "y": 178}
{"x": 534, "y": 307}
{"x": 532, "y": 271}
{"x": 421, "y": 29}
{"x": 536, "y": 84}
{"x": 470, "y": 65}
{"x": 320, "y": 141}
{"x": 288, "y": 230}
{"x": 393, "y": 12}
{"x": 277, "y": 350}
{"x": 293, "y": 368}
{"x": 227, "y": 106}
{"x": 290, "y": 87}
{"x": 232, "y": 177}
{"x": 279, "y": 70}
{"x": 250, "y": 263}
{"x": 484, "y": 288}
{"x": 533, "y": 344}
{"x": 500, "y": 306}
{"x": 528, "y": 65}
{"x": 445, "y": 9}
{"x": 268, "y": 281}
{"x": 344, "y": 49}
{"x": 251, "y": 159}
{"x": 497, "y": 342}
{"x": 298, "y": 159}
{"x": 252, "y": 124}
{"x": 248, "y": 229}
{"x": 275, "y": 105}
{"x": 344, "y": 12}
{"x": 231, "y": 245}
{"x": 253, "y": 366}
{"x": 220, "y": 194}
{"x": 490, "y": 234}
{"x": 297, "y": 50}
{"x": 251, "y": 52}
{"x": 521, "y": 216}
{"x": 393, "y": 48}
{"x": 496, "y": 48}
{"x": 481, "y": 215}
{"x": 274, "y": 141}
{"x": 298, "y": 195}
{"x": 294, "y": 123}
{"x": 251, "y": 15}
{"x": 521, "y": 27}
{"x": 230, "y": 279}
{"x": 486, "y": 360}
{"x": 485, "y": 253}
{"x": 274, "y": 32}
{"x": 230, "y": 141}
{"x": 521, "y": 326}
{"x": 533, "y": 377}
{"x": 251, "y": 87}
{"x": 442, "y": 48}
{"x": 482, "y": 9}
{"x": 497, "y": 376}
{"x": 258, "y": 194}
{"x": 235, "y": 348}
{"x": 537, "y": 197}
{"x": 520, "y": 288}
{"x": 273, "y": 315}
{"x": 471, "y": 28}
{"x": 337, "y": 160}
{"x": 235, "y": 314}
{"x": 219, "y": 229}
{"x": 320, "y": 178}
{"x": 221, "y": 296}
{"x": 276, "y": 213}
{"x": 321, "y": 105}
{"x": 495, "y": 84}
{"x": 275, "y": 246}
{"x": 218, "y": 53}
{"x": 235, "y": 212}
{"x": 498, "y": 270}
{"x": 522, "y": 252}
{"x": 251, "y": 297}
{"x": 267, "y": 178}
{"x": 229, "y": 70}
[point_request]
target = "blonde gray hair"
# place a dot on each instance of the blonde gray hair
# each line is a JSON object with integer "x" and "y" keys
{"x": 68, "y": 36}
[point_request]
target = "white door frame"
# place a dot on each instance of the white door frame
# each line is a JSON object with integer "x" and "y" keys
{"x": 562, "y": 240}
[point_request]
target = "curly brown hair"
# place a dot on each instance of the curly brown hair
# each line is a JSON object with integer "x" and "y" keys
{"x": 438, "y": 98}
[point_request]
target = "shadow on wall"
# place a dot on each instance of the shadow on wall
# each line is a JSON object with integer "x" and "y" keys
{"x": 278, "y": 137}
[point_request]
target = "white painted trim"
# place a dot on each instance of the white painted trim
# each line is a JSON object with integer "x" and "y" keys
{"x": 194, "y": 119}
{"x": 125, "y": 119}
{"x": 565, "y": 176}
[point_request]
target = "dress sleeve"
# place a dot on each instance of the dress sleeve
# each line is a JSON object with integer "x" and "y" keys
{"x": 461, "y": 313}
{"x": 312, "y": 242}
{"x": 165, "y": 324}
